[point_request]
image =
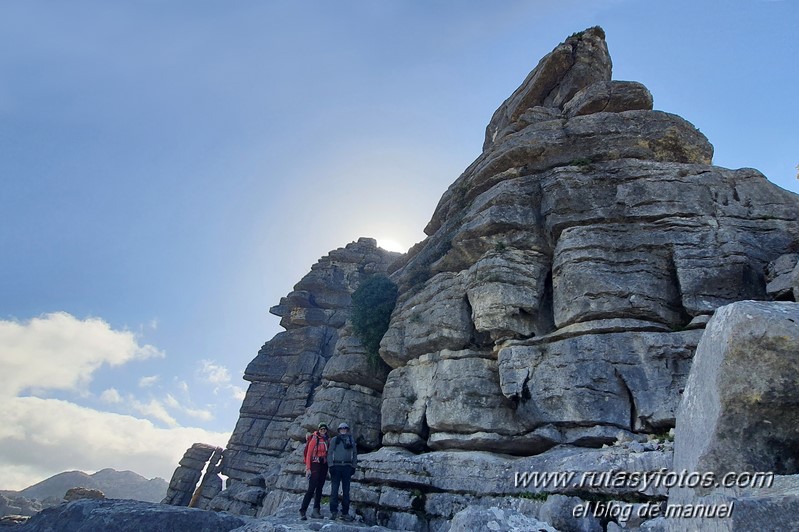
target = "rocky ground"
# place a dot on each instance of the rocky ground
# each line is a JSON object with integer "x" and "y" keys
{"x": 113, "y": 515}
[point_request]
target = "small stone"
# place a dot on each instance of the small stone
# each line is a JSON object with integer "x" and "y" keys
{"x": 636, "y": 447}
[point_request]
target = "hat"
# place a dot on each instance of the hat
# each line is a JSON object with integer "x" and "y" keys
{"x": 322, "y": 425}
{"x": 343, "y": 426}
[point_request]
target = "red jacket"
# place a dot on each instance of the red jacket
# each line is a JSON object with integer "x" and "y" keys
{"x": 315, "y": 449}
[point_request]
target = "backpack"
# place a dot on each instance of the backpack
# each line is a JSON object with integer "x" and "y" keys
{"x": 315, "y": 449}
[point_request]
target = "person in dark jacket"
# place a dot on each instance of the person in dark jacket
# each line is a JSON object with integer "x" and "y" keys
{"x": 316, "y": 459}
{"x": 343, "y": 458}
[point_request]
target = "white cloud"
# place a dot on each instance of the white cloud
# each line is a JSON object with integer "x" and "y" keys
{"x": 198, "y": 413}
{"x": 155, "y": 410}
{"x": 213, "y": 373}
{"x": 111, "y": 395}
{"x": 42, "y": 437}
{"x": 172, "y": 402}
{"x": 202, "y": 415}
{"x": 238, "y": 393}
{"x": 60, "y": 351}
{"x": 146, "y": 382}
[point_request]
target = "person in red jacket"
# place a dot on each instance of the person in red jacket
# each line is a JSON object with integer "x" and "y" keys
{"x": 315, "y": 471}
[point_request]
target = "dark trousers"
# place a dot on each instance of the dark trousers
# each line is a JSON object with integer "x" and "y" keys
{"x": 342, "y": 475}
{"x": 315, "y": 485}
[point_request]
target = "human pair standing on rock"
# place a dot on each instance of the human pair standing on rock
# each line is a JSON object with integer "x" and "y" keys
{"x": 341, "y": 455}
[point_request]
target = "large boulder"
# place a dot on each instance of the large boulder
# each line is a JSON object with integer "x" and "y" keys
{"x": 73, "y": 494}
{"x": 609, "y": 97}
{"x": 739, "y": 421}
{"x": 740, "y": 408}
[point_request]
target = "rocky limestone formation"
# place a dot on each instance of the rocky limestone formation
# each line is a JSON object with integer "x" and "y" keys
{"x": 187, "y": 475}
{"x": 316, "y": 370}
{"x": 410, "y": 491}
{"x": 73, "y": 494}
{"x": 21, "y": 506}
{"x": 548, "y": 322}
{"x": 783, "y": 277}
{"x": 243, "y": 497}
{"x": 496, "y": 519}
{"x": 112, "y": 515}
{"x": 210, "y": 484}
{"x": 570, "y": 269}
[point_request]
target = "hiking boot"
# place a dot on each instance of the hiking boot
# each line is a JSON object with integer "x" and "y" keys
{"x": 333, "y": 516}
{"x": 315, "y": 514}
{"x": 303, "y": 517}
{"x": 347, "y": 517}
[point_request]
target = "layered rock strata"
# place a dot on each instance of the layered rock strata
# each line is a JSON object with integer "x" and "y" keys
{"x": 783, "y": 277}
{"x": 569, "y": 270}
{"x": 553, "y": 309}
{"x": 211, "y": 483}
{"x": 316, "y": 370}
{"x": 188, "y": 473}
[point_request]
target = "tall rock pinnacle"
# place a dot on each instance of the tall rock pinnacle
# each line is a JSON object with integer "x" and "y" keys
{"x": 579, "y": 62}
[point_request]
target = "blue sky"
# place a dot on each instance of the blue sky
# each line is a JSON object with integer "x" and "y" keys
{"x": 170, "y": 169}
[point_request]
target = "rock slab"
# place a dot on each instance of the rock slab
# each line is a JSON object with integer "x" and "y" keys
{"x": 116, "y": 515}
{"x": 740, "y": 408}
{"x": 740, "y": 414}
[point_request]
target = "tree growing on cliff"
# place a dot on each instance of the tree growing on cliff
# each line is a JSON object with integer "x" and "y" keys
{"x": 372, "y": 304}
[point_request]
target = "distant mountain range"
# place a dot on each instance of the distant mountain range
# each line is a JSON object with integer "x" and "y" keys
{"x": 114, "y": 484}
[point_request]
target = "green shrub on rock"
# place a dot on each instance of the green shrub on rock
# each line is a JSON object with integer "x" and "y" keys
{"x": 372, "y": 304}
